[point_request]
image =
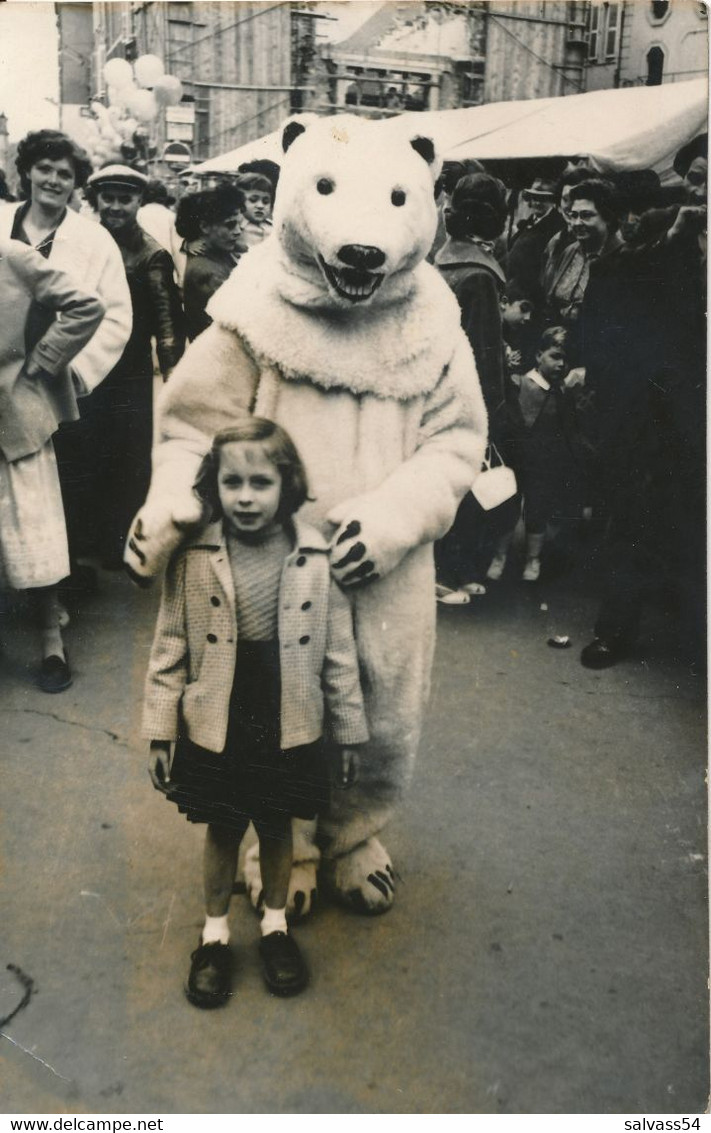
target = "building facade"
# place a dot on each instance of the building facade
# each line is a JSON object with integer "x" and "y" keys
{"x": 417, "y": 55}
{"x": 234, "y": 61}
{"x": 646, "y": 42}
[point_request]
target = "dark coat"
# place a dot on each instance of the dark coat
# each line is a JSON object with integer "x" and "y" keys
{"x": 157, "y": 311}
{"x": 204, "y": 273}
{"x": 525, "y": 256}
{"x": 477, "y": 281}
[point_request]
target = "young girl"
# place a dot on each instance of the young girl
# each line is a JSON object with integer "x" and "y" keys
{"x": 37, "y": 392}
{"x": 545, "y": 449}
{"x": 257, "y": 208}
{"x": 253, "y": 648}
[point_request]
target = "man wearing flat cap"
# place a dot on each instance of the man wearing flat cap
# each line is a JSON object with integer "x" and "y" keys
{"x": 524, "y": 261}
{"x": 121, "y": 409}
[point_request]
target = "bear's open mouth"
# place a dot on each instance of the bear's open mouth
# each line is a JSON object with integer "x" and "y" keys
{"x": 352, "y": 283}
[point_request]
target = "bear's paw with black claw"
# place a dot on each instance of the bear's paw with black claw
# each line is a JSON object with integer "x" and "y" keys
{"x": 301, "y": 898}
{"x": 364, "y": 879}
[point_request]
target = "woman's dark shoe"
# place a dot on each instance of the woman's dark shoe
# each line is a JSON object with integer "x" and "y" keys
{"x": 210, "y": 978}
{"x": 603, "y": 652}
{"x": 54, "y": 675}
{"x": 283, "y": 966}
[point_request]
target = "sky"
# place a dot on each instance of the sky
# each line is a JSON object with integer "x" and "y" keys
{"x": 28, "y": 66}
{"x": 28, "y": 57}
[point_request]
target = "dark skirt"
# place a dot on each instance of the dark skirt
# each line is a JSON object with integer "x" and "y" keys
{"x": 253, "y": 778}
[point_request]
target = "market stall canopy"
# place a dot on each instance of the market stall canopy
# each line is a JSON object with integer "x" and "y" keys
{"x": 632, "y": 128}
{"x": 267, "y": 148}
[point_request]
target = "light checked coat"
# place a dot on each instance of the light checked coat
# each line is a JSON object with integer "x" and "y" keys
{"x": 192, "y": 661}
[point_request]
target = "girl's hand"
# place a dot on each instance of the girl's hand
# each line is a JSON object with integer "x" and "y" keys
{"x": 347, "y": 768}
{"x": 159, "y": 765}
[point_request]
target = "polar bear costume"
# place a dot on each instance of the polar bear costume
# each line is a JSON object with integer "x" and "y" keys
{"x": 336, "y": 328}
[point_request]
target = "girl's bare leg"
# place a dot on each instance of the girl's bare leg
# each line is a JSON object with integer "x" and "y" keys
{"x": 219, "y": 868}
{"x": 275, "y": 856}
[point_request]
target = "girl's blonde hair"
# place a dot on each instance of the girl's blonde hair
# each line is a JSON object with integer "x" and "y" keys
{"x": 277, "y": 446}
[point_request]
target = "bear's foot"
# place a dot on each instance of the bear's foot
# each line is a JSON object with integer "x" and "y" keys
{"x": 302, "y": 885}
{"x": 363, "y": 879}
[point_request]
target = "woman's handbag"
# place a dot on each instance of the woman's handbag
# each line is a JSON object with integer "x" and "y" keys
{"x": 496, "y": 483}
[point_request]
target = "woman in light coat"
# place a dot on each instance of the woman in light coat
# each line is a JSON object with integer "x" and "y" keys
{"x": 51, "y": 167}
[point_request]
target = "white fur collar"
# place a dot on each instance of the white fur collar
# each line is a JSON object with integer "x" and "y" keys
{"x": 393, "y": 351}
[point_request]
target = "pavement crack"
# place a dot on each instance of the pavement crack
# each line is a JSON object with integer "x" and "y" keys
{"x": 35, "y": 1056}
{"x": 73, "y": 723}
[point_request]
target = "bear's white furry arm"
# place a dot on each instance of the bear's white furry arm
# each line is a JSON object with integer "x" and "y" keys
{"x": 417, "y": 502}
{"x": 212, "y": 386}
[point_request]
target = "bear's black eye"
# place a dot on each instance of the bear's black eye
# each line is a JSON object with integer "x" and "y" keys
{"x": 325, "y": 186}
{"x": 398, "y": 197}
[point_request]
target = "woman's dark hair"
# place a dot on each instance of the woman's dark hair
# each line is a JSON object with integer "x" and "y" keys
{"x": 277, "y": 446}
{"x": 603, "y": 195}
{"x": 477, "y": 207}
{"x": 209, "y": 206}
{"x": 248, "y": 182}
{"x": 52, "y": 144}
{"x": 569, "y": 180}
{"x": 268, "y": 169}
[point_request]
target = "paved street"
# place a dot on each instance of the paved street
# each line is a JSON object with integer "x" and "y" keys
{"x": 547, "y": 951}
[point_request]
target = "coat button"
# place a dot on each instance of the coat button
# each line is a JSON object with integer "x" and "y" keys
{"x": 215, "y": 600}
{"x": 304, "y": 640}
{"x": 301, "y": 560}
{"x": 211, "y": 638}
{"x": 305, "y": 605}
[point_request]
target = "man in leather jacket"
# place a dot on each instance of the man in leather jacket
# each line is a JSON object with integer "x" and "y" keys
{"x": 121, "y": 409}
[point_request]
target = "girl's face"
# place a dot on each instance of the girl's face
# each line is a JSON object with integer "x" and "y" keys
{"x": 52, "y": 182}
{"x": 257, "y": 206}
{"x": 223, "y": 235}
{"x": 249, "y": 487}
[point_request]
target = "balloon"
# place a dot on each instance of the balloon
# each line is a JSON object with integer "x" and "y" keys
{"x": 127, "y": 128}
{"x": 142, "y": 105}
{"x": 118, "y": 73}
{"x": 149, "y": 69}
{"x": 168, "y": 91}
{"x": 123, "y": 95}
{"x": 100, "y": 111}
{"x": 115, "y": 116}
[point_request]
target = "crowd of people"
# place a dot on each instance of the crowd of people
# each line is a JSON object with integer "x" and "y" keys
{"x": 103, "y": 283}
{"x": 587, "y": 322}
{"x": 582, "y": 295}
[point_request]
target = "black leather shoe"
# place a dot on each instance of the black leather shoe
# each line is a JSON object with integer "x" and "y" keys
{"x": 283, "y": 965}
{"x": 54, "y": 675}
{"x": 602, "y": 652}
{"x": 210, "y": 978}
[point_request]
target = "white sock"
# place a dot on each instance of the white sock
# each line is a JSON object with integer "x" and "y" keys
{"x": 216, "y": 930}
{"x": 273, "y": 920}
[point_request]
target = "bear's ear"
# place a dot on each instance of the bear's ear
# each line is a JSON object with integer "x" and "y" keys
{"x": 291, "y": 133}
{"x": 425, "y": 148}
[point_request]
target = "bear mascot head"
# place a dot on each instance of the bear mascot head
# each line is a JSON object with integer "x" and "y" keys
{"x": 336, "y": 327}
{"x": 352, "y": 228}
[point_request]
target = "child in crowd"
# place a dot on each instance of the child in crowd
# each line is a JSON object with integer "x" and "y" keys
{"x": 545, "y": 449}
{"x": 257, "y": 207}
{"x": 46, "y": 322}
{"x": 517, "y": 311}
{"x": 253, "y": 653}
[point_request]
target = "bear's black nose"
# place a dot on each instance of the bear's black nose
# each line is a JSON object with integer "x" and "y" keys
{"x": 361, "y": 256}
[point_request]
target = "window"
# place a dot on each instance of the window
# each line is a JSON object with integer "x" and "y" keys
{"x": 655, "y": 66}
{"x": 603, "y": 32}
{"x": 611, "y": 31}
{"x": 658, "y": 10}
{"x": 594, "y": 33}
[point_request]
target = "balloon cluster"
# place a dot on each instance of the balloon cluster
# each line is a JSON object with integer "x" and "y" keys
{"x": 135, "y": 95}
